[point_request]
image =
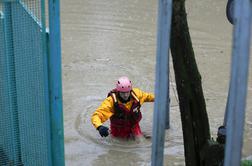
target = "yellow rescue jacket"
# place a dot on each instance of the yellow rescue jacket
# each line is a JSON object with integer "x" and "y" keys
{"x": 106, "y": 109}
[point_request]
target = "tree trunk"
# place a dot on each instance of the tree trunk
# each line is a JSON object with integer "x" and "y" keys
{"x": 192, "y": 105}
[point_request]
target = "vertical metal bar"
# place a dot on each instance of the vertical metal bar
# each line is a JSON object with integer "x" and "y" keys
{"x": 239, "y": 79}
{"x": 45, "y": 52}
{"x": 55, "y": 84}
{"x": 162, "y": 81}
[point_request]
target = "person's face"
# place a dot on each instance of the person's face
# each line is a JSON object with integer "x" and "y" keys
{"x": 124, "y": 95}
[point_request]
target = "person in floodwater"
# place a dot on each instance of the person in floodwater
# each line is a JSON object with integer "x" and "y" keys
{"x": 122, "y": 107}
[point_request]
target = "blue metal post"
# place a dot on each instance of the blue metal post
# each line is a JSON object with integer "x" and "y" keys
{"x": 45, "y": 52}
{"x": 239, "y": 79}
{"x": 161, "y": 107}
{"x": 56, "y": 84}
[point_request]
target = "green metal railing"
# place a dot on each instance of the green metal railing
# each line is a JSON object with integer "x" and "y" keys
{"x": 27, "y": 114}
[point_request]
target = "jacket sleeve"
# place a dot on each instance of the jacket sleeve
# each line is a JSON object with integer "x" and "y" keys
{"x": 144, "y": 96}
{"x": 103, "y": 112}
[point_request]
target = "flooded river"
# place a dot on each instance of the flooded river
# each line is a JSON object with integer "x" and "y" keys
{"x": 103, "y": 40}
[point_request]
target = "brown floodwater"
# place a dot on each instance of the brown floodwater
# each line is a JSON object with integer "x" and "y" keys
{"x": 103, "y": 40}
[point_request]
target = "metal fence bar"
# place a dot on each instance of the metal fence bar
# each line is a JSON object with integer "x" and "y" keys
{"x": 161, "y": 108}
{"x": 45, "y": 53}
{"x": 55, "y": 83}
{"x": 239, "y": 79}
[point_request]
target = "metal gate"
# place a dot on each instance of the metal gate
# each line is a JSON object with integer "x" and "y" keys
{"x": 25, "y": 122}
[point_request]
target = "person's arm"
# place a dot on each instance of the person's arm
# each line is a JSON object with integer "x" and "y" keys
{"x": 144, "y": 96}
{"x": 103, "y": 112}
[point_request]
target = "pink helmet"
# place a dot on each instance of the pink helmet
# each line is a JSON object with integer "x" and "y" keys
{"x": 123, "y": 84}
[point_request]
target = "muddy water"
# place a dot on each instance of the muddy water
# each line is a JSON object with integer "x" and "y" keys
{"x": 103, "y": 40}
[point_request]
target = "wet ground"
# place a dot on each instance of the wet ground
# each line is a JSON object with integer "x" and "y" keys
{"x": 103, "y": 40}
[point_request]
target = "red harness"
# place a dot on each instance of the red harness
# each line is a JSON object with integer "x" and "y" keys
{"x": 125, "y": 123}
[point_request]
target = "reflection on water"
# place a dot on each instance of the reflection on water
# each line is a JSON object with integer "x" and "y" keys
{"x": 103, "y": 40}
